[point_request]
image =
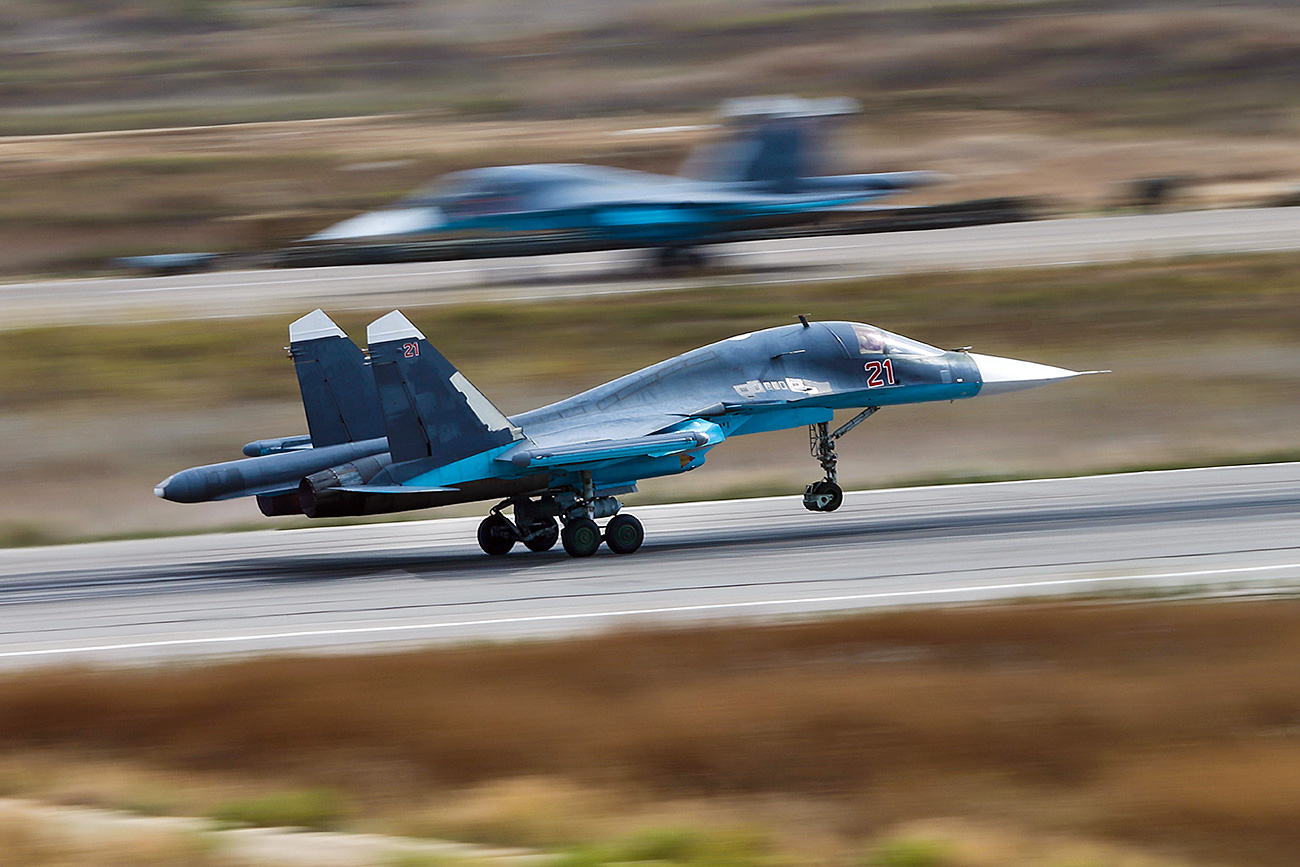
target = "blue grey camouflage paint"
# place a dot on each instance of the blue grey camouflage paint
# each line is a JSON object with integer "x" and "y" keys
{"x": 444, "y": 442}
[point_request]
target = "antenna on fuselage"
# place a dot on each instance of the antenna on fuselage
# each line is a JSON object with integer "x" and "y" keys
{"x": 803, "y": 317}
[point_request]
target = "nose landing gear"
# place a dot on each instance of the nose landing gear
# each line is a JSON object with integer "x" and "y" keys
{"x": 823, "y": 496}
{"x": 826, "y": 495}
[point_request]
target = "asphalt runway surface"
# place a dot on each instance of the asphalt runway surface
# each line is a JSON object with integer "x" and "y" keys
{"x": 1232, "y": 531}
{"x": 292, "y": 292}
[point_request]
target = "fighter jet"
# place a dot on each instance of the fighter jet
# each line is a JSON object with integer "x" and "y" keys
{"x": 761, "y": 177}
{"x": 400, "y": 428}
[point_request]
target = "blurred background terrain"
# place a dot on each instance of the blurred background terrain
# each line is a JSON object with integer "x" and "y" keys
{"x": 1031, "y": 736}
{"x": 138, "y": 126}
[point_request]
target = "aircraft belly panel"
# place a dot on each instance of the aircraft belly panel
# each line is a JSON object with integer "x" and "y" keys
{"x": 777, "y": 419}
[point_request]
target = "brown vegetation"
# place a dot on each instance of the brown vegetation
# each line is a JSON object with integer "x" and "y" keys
{"x": 1173, "y": 726}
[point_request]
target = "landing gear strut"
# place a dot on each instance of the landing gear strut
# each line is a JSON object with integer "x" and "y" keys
{"x": 826, "y": 495}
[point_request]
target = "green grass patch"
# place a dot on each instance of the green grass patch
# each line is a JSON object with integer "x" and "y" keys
{"x": 910, "y": 852}
{"x": 687, "y": 847}
{"x": 315, "y": 809}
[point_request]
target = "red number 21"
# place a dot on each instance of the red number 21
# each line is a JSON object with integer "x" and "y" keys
{"x": 410, "y": 350}
{"x": 880, "y": 373}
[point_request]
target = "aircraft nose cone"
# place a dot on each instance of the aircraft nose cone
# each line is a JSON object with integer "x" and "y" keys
{"x": 1001, "y": 375}
{"x": 379, "y": 224}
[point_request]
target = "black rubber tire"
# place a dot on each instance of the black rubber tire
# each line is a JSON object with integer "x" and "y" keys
{"x": 824, "y": 488}
{"x": 545, "y": 540}
{"x": 624, "y": 534}
{"x": 581, "y": 537}
{"x": 495, "y": 535}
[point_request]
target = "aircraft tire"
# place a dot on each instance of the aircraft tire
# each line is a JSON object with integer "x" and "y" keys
{"x": 823, "y": 496}
{"x": 496, "y": 536}
{"x": 624, "y": 534}
{"x": 546, "y": 539}
{"x": 581, "y": 538}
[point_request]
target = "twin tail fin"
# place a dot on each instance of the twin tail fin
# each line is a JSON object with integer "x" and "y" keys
{"x": 430, "y": 410}
{"x": 406, "y": 391}
{"x": 338, "y": 392}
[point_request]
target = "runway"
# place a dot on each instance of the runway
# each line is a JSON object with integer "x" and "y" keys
{"x": 1221, "y": 530}
{"x": 232, "y": 294}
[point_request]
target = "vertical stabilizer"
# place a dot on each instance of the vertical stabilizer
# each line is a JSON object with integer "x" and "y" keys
{"x": 776, "y": 142}
{"x": 429, "y": 408}
{"x": 338, "y": 390}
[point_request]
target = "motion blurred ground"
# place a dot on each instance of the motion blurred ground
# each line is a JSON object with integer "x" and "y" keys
{"x": 1057, "y": 98}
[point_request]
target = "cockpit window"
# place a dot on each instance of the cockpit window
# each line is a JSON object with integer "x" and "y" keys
{"x": 899, "y": 345}
{"x": 871, "y": 341}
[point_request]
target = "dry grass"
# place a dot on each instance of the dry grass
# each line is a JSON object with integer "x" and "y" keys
{"x": 31, "y": 843}
{"x": 1165, "y": 726}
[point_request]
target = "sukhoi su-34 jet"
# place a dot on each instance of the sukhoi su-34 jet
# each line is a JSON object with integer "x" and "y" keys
{"x": 403, "y": 429}
{"x": 764, "y": 176}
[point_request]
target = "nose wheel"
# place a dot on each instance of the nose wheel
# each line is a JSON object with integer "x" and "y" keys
{"x": 822, "y": 496}
{"x": 826, "y": 495}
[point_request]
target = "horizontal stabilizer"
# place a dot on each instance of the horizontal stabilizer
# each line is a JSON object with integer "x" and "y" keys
{"x": 653, "y": 446}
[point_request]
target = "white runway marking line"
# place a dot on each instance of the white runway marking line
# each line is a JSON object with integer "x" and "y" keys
{"x": 633, "y": 612}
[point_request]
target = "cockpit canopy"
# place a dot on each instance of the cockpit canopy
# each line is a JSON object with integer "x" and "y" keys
{"x": 505, "y": 188}
{"x": 870, "y": 340}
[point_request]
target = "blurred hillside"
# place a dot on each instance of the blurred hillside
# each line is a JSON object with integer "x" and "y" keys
{"x": 144, "y": 126}
{"x": 76, "y": 65}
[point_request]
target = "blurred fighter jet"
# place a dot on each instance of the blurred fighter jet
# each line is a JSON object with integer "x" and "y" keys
{"x": 764, "y": 176}
{"x": 404, "y": 429}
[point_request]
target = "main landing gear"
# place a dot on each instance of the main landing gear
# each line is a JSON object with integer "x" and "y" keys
{"x": 826, "y": 495}
{"x": 536, "y": 525}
